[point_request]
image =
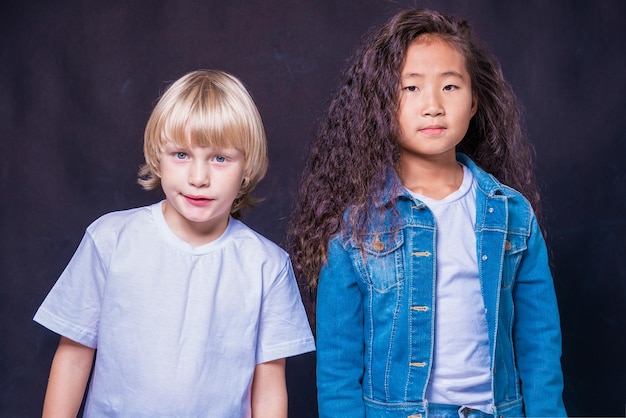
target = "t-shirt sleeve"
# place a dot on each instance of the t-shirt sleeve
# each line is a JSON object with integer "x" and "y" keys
{"x": 72, "y": 308}
{"x": 284, "y": 329}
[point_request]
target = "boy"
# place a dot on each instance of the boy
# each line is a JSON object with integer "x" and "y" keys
{"x": 191, "y": 312}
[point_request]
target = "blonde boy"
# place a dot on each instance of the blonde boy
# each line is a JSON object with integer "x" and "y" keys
{"x": 188, "y": 312}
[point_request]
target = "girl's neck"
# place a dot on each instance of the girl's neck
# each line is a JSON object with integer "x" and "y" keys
{"x": 433, "y": 179}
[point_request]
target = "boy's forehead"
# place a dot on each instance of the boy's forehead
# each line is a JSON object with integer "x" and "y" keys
{"x": 189, "y": 142}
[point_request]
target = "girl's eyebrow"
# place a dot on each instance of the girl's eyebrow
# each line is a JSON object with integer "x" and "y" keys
{"x": 450, "y": 73}
{"x": 453, "y": 74}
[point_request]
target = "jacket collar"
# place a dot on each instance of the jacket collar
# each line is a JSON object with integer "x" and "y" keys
{"x": 485, "y": 181}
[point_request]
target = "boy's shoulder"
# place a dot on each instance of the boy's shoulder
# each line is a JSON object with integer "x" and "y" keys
{"x": 250, "y": 240}
{"x": 118, "y": 220}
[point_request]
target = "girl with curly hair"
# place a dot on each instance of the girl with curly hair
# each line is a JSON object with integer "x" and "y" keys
{"x": 416, "y": 234}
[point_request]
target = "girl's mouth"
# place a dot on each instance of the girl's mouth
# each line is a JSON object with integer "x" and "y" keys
{"x": 433, "y": 130}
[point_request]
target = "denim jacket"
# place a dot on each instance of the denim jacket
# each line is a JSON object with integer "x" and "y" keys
{"x": 375, "y": 311}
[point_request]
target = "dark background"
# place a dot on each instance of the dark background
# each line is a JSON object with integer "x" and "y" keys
{"x": 79, "y": 80}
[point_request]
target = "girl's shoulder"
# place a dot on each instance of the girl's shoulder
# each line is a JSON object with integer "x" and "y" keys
{"x": 489, "y": 184}
{"x": 496, "y": 197}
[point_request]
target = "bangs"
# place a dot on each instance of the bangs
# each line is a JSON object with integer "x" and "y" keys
{"x": 207, "y": 120}
{"x": 206, "y": 109}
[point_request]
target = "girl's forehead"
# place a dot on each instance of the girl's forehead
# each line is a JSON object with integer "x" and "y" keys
{"x": 428, "y": 39}
{"x": 432, "y": 52}
{"x": 432, "y": 39}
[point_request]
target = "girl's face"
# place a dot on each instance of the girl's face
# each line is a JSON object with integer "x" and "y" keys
{"x": 436, "y": 101}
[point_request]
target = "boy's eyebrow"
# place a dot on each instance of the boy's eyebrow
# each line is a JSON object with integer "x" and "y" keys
{"x": 173, "y": 146}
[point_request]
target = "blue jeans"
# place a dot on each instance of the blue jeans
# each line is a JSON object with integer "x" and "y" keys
{"x": 436, "y": 410}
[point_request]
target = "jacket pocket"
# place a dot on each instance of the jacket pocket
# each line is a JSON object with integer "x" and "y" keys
{"x": 381, "y": 261}
{"x": 514, "y": 248}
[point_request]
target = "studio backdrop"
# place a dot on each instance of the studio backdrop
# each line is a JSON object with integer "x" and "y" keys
{"x": 80, "y": 78}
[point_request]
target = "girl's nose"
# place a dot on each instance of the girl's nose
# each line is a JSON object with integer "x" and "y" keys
{"x": 432, "y": 104}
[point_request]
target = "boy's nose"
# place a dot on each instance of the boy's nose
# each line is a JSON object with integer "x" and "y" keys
{"x": 199, "y": 175}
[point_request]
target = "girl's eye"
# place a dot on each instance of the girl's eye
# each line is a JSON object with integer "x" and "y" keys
{"x": 411, "y": 88}
{"x": 450, "y": 87}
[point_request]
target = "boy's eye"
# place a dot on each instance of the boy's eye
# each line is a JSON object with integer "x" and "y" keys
{"x": 220, "y": 158}
{"x": 181, "y": 155}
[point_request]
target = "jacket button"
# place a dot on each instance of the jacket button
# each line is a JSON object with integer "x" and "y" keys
{"x": 377, "y": 244}
{"x": 508, "y": 245}
{"x": 484, "y": 257}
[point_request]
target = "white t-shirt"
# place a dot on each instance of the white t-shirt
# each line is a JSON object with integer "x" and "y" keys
{"x": 460, "y": 371}
{"x": 178, "y": 330}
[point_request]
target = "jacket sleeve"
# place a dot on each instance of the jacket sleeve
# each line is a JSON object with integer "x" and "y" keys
{"x": 340, "y": 346}
{"x": 537, "y": 333}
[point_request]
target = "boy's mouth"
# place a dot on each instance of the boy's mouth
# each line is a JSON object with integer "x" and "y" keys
{"x": 197, "y": 200}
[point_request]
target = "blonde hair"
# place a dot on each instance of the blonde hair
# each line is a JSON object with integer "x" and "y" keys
{"x": 207, "y": 108}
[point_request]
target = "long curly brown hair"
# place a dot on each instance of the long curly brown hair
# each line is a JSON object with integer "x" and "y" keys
{"x": 357, "y": 144}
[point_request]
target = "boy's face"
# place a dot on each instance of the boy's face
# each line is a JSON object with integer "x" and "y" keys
{"x": 200, "y": 185}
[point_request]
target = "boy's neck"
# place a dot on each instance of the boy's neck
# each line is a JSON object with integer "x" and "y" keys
{"x": 193, "y": 233}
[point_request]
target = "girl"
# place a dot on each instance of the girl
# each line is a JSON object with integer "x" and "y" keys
{"x": 434, "y": 294}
